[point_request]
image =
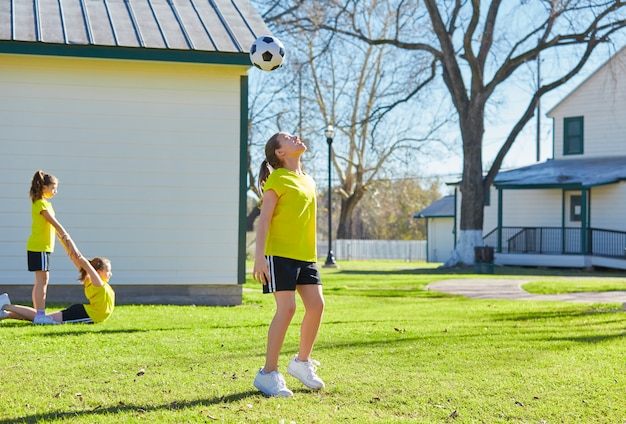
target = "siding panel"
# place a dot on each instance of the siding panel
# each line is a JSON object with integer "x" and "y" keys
{"x": 141, "y": 155}
{"x": 601, "y": 99}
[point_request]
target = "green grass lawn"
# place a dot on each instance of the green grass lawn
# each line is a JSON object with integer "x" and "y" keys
{"x": 390, "y": 352}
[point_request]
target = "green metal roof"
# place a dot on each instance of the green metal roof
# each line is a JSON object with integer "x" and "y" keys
{"x": 218, "y": 31}
{"x": 565, "y": 173}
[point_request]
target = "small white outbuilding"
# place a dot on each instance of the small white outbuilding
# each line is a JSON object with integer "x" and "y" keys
{"x": 139, "y": 108}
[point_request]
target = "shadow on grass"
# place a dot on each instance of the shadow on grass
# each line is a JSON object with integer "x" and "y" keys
{"x": 387, "y": 292}
{"x": 132, "y": 408}
{"x": 550, "y": 315}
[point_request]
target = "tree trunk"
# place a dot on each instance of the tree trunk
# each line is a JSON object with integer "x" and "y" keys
{"x": 472, "y": 189}
{"x": 252, "y": 216}
{"x": 344, "y": 229}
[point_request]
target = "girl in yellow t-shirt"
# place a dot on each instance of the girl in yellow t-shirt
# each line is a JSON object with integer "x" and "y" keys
{"x": 41, "y": 241}
{"x": 94, "y": 274}
{"x": 285, "y": 261}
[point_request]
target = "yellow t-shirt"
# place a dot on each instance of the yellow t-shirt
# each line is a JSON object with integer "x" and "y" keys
{"x": 292, "y": 232}
{"x": 101, "y": 301}
{"x": 42, "y": 232}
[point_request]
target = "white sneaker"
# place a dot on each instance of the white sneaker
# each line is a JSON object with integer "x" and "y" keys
{"x": 44, "y": 320}
{"x": 305, "y": 372}
{"x": 4, "y": 300}
{"x": 3, "y": 314}
{"x": 272, "y": 384}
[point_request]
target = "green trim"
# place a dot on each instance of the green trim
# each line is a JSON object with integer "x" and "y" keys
{"x": 563, "y": 216}
{"x": 566, "y": 151}
{"x": 589, "y": 208}
{"x": 572, "y": 206}
{"x": 500, "y": 199}
{"x": 243, "y": 180}
{"x": 574, "y": 186}
{"x": 583, "y": 222}
{"x": 125, "y": 53}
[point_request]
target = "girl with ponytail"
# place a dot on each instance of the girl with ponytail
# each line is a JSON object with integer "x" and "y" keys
{"x": 286, "y": 261}
{"x": 94, "y": 274}
{"x": 41, "y": 241}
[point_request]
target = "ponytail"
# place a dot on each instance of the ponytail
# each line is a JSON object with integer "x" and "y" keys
{"x": 99, "y": 264}
{"x": 264, "y": 172}
{"x": 40, "y": 180}
{"x": 271, "y": 161}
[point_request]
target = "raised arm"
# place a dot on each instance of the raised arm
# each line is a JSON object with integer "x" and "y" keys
{"x": 83, "y": 262}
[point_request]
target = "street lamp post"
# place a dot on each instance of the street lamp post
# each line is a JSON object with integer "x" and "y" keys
{"x": 330, "y": 259}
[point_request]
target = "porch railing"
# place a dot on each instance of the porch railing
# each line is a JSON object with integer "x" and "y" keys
{"x": 558, "y": 241}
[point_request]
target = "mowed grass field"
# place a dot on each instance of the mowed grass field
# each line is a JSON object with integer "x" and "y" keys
{"x": 390, "y": 352}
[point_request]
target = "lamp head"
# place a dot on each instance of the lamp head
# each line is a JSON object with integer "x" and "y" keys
{"x": 330, "y": 131}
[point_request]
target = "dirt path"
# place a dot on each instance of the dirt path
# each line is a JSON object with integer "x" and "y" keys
{"x": 512, "y": 289}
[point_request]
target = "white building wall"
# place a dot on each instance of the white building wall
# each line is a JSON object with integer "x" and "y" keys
{"x": 440, "y": 239}
{"x": 601, "y": 99}
{"x": 521, "y": 208}
{"x": 532, "y": 208}
{"x": 608, "y": 204}
{"x": 147, "y": 155}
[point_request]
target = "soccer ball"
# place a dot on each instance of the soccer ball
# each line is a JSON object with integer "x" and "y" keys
{"x": 267, "y": 53}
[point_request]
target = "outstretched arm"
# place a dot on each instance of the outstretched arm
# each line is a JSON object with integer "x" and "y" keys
{"x": 63, "y": 236}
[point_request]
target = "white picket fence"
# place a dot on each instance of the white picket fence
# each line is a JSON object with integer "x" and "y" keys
{"x": 346, "y": 250}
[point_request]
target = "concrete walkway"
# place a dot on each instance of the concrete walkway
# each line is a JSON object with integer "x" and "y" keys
{"x": 512, "y": 290}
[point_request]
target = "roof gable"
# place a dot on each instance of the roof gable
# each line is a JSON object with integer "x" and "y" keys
{"x": 618, "y": 57}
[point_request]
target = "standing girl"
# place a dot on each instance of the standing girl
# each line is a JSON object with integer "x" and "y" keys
{"x": 285, "y": 261}
{"x": 41, "y": 241}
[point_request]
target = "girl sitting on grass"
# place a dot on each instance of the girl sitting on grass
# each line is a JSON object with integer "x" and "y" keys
{"x": 94, "y": 274}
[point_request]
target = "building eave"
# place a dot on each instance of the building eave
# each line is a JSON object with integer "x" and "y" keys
{"x": 124, "y": 53}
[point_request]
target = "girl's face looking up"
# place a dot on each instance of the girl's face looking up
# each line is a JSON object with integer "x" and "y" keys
{"x": 290, "y": 143}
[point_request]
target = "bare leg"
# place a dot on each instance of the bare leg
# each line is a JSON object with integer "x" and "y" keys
{"x": 40, "y": 289}
{"x": 27, "y": 313}
{"x": 314, "y": 308}
{"x": 285, "y": 310}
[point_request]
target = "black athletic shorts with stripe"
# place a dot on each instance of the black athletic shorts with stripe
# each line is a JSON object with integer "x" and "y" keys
{"x": 76, "y": 314}
{"x": 286, "y": 273}
{"x": 38, "y": 261}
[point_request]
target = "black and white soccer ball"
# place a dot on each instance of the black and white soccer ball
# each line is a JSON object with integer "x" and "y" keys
{"x": 267, "y": 53}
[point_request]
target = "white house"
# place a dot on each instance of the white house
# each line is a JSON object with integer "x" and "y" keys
{"x": 569, "y": 210}
{"x": 440, "y": 227}
{"x": 139, "y": 108}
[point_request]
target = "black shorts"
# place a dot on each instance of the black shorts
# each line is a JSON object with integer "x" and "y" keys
{"x": 38, "y": 261}
{"x": 75, "y": 314}
{"x": 286, "y": 273}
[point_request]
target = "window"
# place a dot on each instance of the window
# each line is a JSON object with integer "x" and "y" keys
{"x": 575, "y": 208}
{"x": 573, "y": 136}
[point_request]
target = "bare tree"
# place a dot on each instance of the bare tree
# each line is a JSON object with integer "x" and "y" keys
{"x": 478, "y": 47}
{"x": 349, "y": 85}
{"x": 387, "y": 209}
